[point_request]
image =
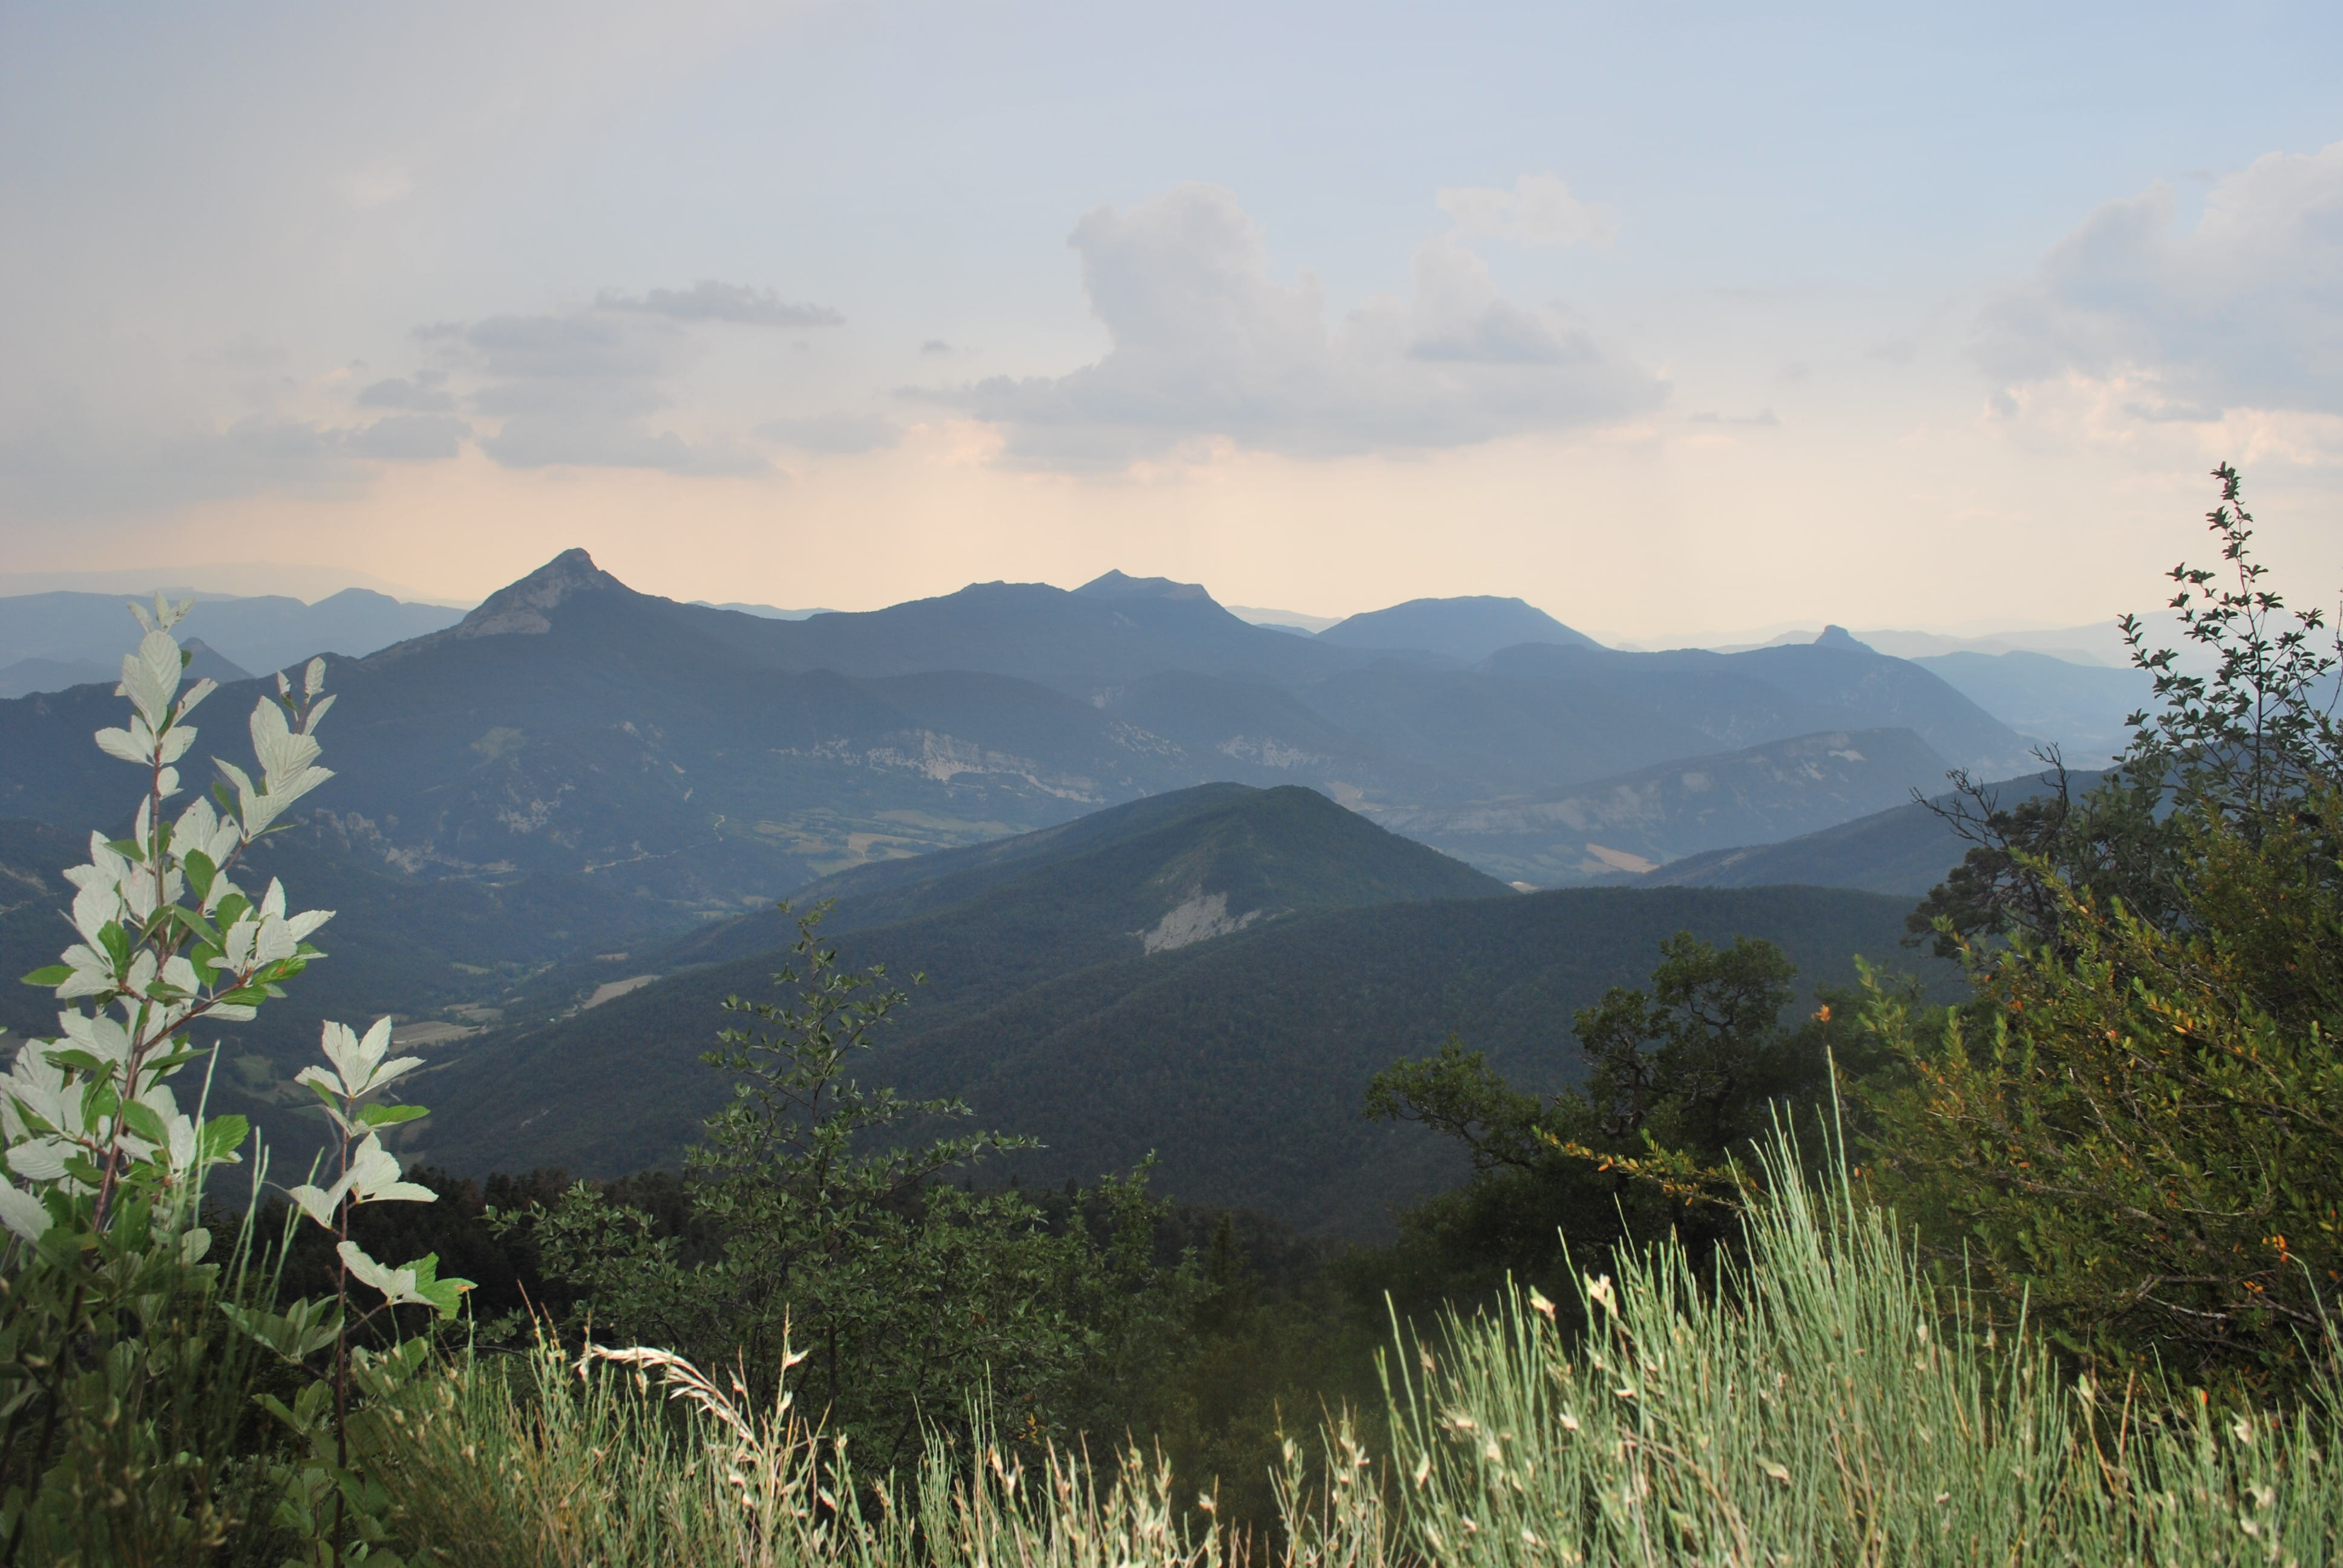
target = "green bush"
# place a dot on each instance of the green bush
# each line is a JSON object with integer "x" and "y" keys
{"x": 2134, "y": 1130}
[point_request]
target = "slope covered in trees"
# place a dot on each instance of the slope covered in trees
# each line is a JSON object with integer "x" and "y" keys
{"x": 1242, "y": 1062}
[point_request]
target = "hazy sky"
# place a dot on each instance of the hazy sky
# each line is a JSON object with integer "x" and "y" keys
{"x": 1666, "y": 318}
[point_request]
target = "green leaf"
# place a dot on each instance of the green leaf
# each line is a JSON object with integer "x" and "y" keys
{"x": 49, "y": 977}
{"x": 301, "y": 1330}
{"x": 443, "y": 1294}
{"x": 390, "y": 1115}
{"x": 143, "y": 1121}
{"x": 192, "y": 923}
{"x": 222, "y": 1136}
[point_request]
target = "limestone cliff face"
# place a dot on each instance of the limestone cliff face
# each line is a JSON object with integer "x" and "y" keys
{"x": 520, "y": 608}
{"x": 1199, "y": 918}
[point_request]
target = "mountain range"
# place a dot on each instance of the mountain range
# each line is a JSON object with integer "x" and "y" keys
{"x": 1077, "y": 810}
{"x": 699, "y": 757}
{"x": 65, "y": 638}
{"x": 1209, "y": 976}
{"x": 1904, "y": 850}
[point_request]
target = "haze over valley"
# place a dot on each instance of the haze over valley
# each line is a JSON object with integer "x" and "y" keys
{"x": 1106, "y": 823}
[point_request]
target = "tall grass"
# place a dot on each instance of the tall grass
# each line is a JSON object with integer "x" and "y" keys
{"x": 1823, "y": 1403}
{"x": 544, "y": 1461}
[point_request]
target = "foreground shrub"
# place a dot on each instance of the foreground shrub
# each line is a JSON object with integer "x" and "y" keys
{"x": 2134, "y": 1131}
{"x": 126, "y": 1404}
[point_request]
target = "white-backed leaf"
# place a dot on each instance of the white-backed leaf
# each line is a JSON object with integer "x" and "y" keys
{"x": 23, "y": 1214}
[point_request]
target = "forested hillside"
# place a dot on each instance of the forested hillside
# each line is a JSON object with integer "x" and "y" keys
{"x": 1242, "y": 1062}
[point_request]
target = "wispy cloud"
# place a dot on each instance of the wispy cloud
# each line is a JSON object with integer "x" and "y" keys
{"x": 580, "y": 387}
{"x": 709, "y": 300}
{"x": 410, "y": 438}
{"x": 425, "y": 392}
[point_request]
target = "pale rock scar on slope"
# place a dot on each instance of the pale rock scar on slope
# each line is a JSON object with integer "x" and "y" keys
{"x": 1200, "y": 917}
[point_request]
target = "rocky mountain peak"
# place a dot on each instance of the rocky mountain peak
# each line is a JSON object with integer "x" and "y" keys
{"x": 521, "y": 607}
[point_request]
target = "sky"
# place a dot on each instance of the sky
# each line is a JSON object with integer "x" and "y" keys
{"x": 1668, "y": 319}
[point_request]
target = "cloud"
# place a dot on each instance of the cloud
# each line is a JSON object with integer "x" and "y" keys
{"x": 71, "y": 464}
{"x": 578, "y": 388}
{"x": 842, "y": 434}
{"x": 408, "y": 438}
{"x": 1763, "y": 417}
{"x": 1538, "y": 210}
{"x": 426, "y": 393}
{"x": 555, "y": 347}
{"x": 709, "y": 300}
{"x": 535, "y": 442}
{"x": 1205, "y": 345}
{"x": 2245, "y": 308}
{"x": 2172, "y": 413}
{"x": 598, "y": 423}
{"x": 1459, "y": 317}
{"x": 935, "y": 346}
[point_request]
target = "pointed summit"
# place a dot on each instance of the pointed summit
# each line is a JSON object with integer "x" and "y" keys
{"x": 520, "y": 607}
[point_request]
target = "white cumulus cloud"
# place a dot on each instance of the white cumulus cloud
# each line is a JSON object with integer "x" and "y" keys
{"x": 2245, "y": 308}
{"x": 1206, "y": 344}
{"x": 1538, "y": 210}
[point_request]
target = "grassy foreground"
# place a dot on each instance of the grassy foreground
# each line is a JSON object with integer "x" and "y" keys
{"x": 1823, "y": 1405}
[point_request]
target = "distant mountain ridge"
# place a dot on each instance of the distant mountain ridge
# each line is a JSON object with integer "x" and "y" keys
{"x": 1904, "y": 850}
{"x": 1111, "y": 630}
{"x": 1642, "y": 820}
{"x": 2079, "y": 708}
{"x": 260, "y": 634}
{"x": 1467, "y": 629}
{"x": 698, "y": 758}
